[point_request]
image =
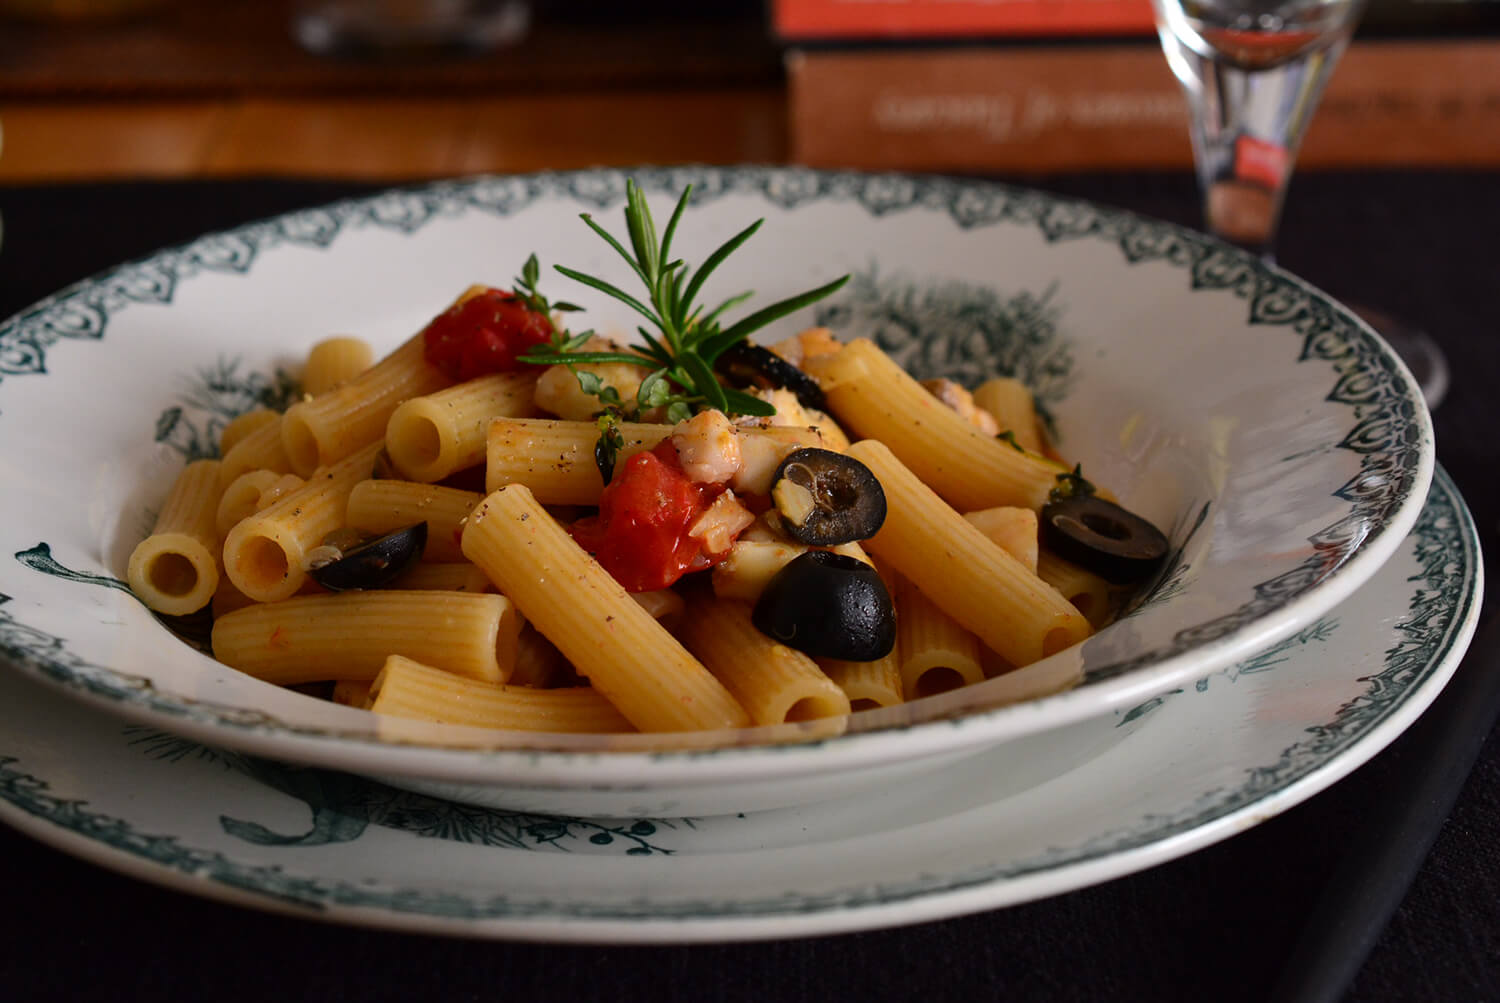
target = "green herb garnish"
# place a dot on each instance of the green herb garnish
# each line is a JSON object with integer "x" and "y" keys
{"x": 1071, "y": 484}
{"x": 1009, "y": 436}
{"x": 526, "y": 291}
{"x": 688, "y": 339}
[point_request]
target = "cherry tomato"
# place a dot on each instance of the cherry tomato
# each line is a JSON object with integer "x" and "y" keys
{"x": 641, "y": 533}
{"x": 483, "y": 335}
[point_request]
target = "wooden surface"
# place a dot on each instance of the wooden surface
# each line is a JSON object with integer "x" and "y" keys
{"x": 387, "y": 138}
{"x": 222, "y": 89}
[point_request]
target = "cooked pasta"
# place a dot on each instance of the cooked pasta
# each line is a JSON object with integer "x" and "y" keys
{"x": 349, "y": 635}
{"x": 628, "y": 657}
{"x": 1089, "y": 593}
{"x": 867, "y": 684}
{"x": 981, "y": 586}
{"x": 265, "y": 553}
{"x": 773, "y": 682}
{"x": 333, "y": 362}
{"x": 237, "y": 429}
{"x": 874, "y": 397}
{"x": 407, "y": 688}
{"x": 936, "y": 653}
{"x": 1014, "y": 530}
{"x": 1010, "y": 402}
{"x": 382, "y": 506}
{"x": 258, "y": 449}
{"x": 432, "y": 436}
{"x": 175, "y": 570}
{"x": 321, "y": 431}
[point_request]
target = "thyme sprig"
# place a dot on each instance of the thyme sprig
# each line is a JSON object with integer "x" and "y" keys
{"x": 688, "y": 339}
{"x": 526, "y": 291}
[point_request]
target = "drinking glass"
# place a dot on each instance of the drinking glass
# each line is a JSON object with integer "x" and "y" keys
{"x": 1252, "y": 72}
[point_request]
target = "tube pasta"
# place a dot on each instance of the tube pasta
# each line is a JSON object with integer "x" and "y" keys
{"x": 352, "y": 693}
{"x": 1013, "y": 530}
{"x": 333, "y": 362}
{"x": 264, "y": 553}
{"x": 981, "y": 586}
{"x": 1089, "y": 593}
{"x": 555, "y": 459}
{"x": 1014, "y": 410}
{"x": 258, "y": 449}
{"x": 242, "y": 498}
{"x": 444, "y": 577}
{"x": 384, "y": 506}
{"x": 432, "y": 436}
{"x": 538, "y": 662}
{"x": 664, "y": 605}
{"x": 324, "y": 430}
{"x": 627, "y": 655}
{"x": 876, "y": 683}
{"x": 406, "y": 688}
{"x": 348, "y": 635}
{"x": 238, "y": 428}
{"x": 875, "y": 398}
{"x": 773, "y": 682}
{"x": 175, "y": 570}
{"x": 936, "y": 652}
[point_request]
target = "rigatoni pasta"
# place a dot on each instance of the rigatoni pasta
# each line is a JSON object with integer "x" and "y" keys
{"x": 981, "y": 586}
{"x": 625, "y": 653}
{"x": 333, "y": 362}
{"x": 878, "y": 400}
{"x": 432, "y": 436}
{"x": 264, "y": 554}
{"x": 349, "y": 636}
{"x": 377, "y": 507}
{"x": 175, "y": 570}
{"x": 407, "y": 688}
{"x": 772, "y": 682}
{"x": 321, "y": 431}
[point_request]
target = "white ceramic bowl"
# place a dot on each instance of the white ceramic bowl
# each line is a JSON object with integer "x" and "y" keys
{"x": 1279, "y": 440}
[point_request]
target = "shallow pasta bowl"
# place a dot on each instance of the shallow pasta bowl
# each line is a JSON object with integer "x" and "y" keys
{"x": 1274, "y": 436}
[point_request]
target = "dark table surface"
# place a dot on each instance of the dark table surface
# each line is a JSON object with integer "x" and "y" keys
{"x": 1215, "y": 925}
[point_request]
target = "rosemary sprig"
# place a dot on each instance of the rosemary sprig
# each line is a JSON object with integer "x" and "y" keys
{"x": 688, "y": 339}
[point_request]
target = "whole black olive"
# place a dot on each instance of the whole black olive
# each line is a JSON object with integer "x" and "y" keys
{"x": 374, "y": 563}
{"x": 749, "y": 365}
{"x": 826, "y": 498}
{"x": 1112, "y": 542}
{"x": 828, "y": 605}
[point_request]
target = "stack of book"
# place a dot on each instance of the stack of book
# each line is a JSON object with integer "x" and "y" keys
{"x": 1033, "y": 86}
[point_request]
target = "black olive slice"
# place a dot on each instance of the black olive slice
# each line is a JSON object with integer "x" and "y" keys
{"x": 375, "y": 563}
{"x": 749, "y": 365}
{"x": 826, "y": 498}
{"x": 1112, "y": 542}
{"x": 830, "y": 606}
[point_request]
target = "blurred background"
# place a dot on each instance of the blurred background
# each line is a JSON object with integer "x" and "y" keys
{"x": 407, "y": 89}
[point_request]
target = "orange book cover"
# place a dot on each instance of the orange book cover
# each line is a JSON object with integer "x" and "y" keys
{"x": 1030, "y": 109}
{"x": 808, "y": 20}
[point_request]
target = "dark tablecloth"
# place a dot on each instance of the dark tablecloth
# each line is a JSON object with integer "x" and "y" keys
{"x": 1213, "y": 926}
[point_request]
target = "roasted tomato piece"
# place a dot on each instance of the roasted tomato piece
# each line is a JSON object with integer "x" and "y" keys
{"x": 641, "y": 533}
{"x": 483, "y": 335}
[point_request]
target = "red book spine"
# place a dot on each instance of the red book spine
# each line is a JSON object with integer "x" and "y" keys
{"x": 871, "y": 19}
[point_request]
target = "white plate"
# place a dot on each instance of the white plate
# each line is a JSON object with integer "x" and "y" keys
{"x": 1193, "y": 766}
{"x": 1279, "y": 440}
